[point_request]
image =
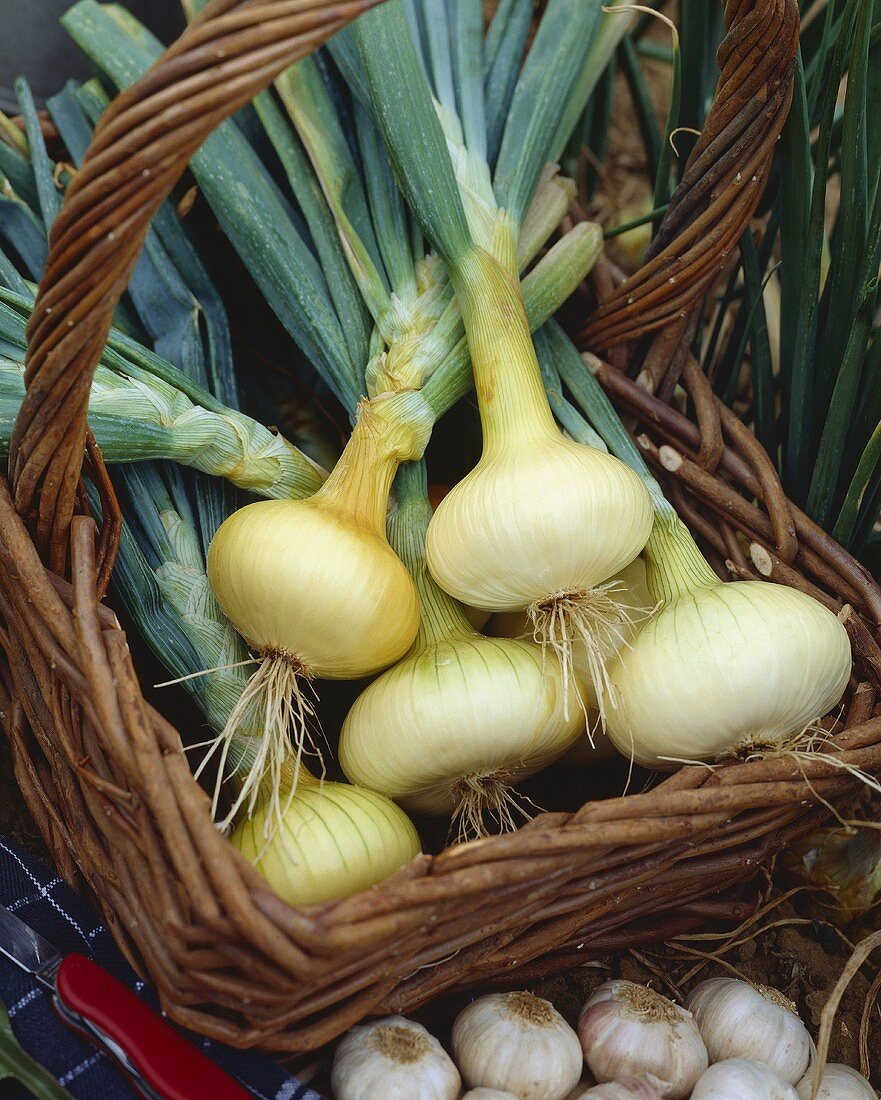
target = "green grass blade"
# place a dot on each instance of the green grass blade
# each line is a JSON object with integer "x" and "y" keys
{"x": 760, "y": 347}
{"x": 816, "y": 69}
{"x": 848, "y": 239}
{"x": 15, "y": 167}
{"x": 867, "y": 470}
{"x": 801, "y": 426}
{"x": 873, "y": 96}
{"x": 344, "y": 50}
{"x": 696, "y": 30}
{"x": 22, "y": 230}
{"x": 643, "y": 108}
{"x": 796, "y": 173}
{"x": 662, "y": 189}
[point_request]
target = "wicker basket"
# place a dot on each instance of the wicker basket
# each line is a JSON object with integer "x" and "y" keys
{"x": 104, "y": 774}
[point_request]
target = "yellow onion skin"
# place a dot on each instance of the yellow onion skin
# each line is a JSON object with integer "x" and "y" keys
{"x": 724, "y": 667}
{"x": 540, "y": 517}
{"x": 462, "y": 706}
{"x": 301, "y": 579}
{"x": 335, "y": 840}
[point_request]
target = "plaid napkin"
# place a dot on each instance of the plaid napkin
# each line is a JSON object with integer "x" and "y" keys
{"x": 47, "y": 903}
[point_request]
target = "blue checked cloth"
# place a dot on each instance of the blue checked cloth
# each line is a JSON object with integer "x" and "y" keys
{"x": 48, "y": 904}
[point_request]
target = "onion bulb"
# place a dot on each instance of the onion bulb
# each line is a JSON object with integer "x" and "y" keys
{"x": 461, "y": 718}
{"x": 313, "y": 585}
{"x": 333, "y": 840}
{"x": 721, "y": 667}
{"x": 542, "y": 521}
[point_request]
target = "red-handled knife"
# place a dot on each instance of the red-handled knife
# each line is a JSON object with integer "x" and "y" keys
{"x": 160, "y": 1063}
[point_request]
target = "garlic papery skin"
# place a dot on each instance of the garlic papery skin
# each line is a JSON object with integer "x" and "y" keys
{"x": 455, "y": 724}
{"x": 395, "y": 1059}
{"x": 721, "y": 667}
{"x": 837, "y": 1083}
{"x": 738, "y": 1020}
{"x": 332, "y": 840}
{"x": 742, "y": 1079}
{"x": 541, "y": 521}
{"x": 632, "y": 1088}
{"x": 628, "y": 1030}
{"x": 518, "y": 1043}
{"x": 481, "y": 1093}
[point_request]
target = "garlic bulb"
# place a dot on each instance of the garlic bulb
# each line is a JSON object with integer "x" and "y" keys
{"x": 632, "y": 1088}
{"x": 481, "y": 1093}
{"x": 455, "y": 724}
{"x": 541, "y": 521}
{"x": 628, "y": 1030}
{"x": 837, "y": 1083}
{"x": 738, "y": 1020}
{"x": 518, "y": 1043}
{"x": 721, "y": 666}
{"x": 333, "y": 840}
{"x": 395, "y": 1059}
{"x": 742, "y": 1079}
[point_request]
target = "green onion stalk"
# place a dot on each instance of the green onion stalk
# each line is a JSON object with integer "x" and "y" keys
{"x": 542, "y": 523}
{"x": 142, "y": 408}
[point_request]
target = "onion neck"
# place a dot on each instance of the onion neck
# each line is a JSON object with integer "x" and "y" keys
{"x": 674, "y": 564}
{"x": 513, "y": 405}
{"x": 441, "y": 618}
{"x": 390, "y": 429}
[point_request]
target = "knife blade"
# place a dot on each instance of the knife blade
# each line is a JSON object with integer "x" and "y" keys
{"x": 160, "y": 1063}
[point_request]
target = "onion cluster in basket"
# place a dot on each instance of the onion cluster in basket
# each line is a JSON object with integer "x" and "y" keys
{"x": 414, "y": 249}
{"x": 731, "y": 1041}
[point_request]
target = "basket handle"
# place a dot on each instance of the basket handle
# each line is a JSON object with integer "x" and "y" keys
{"x": 229, "y": 53}
{"x": 723, "y": 180}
